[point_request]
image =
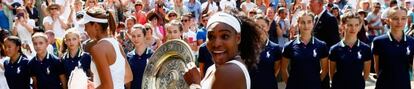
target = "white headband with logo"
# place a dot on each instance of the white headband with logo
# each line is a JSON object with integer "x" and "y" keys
{"x": 87, "y": 18}
{"x": 224, "y": 18}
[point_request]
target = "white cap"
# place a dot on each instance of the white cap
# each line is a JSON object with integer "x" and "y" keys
{"x": 87, "y": 18}
{"x": 225, "y": 18}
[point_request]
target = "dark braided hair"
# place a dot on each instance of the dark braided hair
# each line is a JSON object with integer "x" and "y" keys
{"x": 251, "y": 41}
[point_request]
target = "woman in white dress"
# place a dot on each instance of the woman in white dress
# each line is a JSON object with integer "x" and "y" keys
{"x": 23, "y": 28}
{"x": 110, "y": 68}
{"x": 234, "y": 44}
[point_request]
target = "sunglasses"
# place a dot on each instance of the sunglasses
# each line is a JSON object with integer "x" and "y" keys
{"x": 53, "y": 8}
{"x": 147, "y": 28}
{"x": 184, "y": 20}
{"x": 172, "y": 15}
{"x": 252, "y": 12}
{"x": 139, "y": 28}
{"x": 204, "y": 20}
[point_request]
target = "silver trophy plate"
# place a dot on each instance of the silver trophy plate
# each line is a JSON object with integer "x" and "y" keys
{"x": 166, "y": 67}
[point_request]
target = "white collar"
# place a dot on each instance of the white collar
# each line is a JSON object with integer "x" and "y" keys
{"x": 320, "y": 14}
{"x": 19, "y": 59}
{"x": 67, "y": 54}
{"x": 298, "y": 41}
{"x": 267, "y": 42}
{"x": 391, "y": 39}
{"x": 342, "y": 43}
{"x": 47, "y": 56}
{"x": 147, "y": 50}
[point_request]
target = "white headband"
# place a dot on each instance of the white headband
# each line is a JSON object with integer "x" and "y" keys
{"x": 224, "y": 18}
{"x": 87, "y": 18}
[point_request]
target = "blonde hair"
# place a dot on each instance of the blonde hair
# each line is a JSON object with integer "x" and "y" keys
{"x": 394, "y": 10}
{"x": 305, "y": 13}
{"x": 350, "y": 15}
{"x": 139, "y": 27}
{"x": 175, "y": 23}
{"x": 40, "y": 35}
{"x": 72, "y": 31}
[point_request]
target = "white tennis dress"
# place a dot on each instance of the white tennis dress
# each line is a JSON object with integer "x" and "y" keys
{"x": 207, "y": 82}
{"x": 117, "y": 69}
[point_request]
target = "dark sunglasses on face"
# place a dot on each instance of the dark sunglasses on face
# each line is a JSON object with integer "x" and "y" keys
{"x": 139, "y": 28}
{"x": 172, "y": 15}
{"x": 53, "y": 8}
{"x": 147, "y": 28}
{"x": 184, "y": 20}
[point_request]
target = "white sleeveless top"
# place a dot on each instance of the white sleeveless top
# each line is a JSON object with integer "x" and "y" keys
{"x": 117, "y": 69}
{"x": 208, "y": 80}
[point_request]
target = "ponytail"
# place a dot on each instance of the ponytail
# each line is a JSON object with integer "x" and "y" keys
{"x": 100, "y": 13}
{"x": 251, "y": 42}
{"x": 111, "y": 23}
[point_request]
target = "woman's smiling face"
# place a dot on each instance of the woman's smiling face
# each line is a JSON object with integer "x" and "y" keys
{"x": 222, "y": 42}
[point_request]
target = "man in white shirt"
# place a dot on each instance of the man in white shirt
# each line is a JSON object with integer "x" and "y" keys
{"x": 247, "y": 6}
{"x": 224, "y": 4}
{"x": 210, "y": 5}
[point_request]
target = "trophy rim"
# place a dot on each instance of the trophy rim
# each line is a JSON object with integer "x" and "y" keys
{"x": 172, "y": 48}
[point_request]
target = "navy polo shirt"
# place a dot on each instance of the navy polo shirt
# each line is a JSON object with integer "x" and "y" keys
{"x": 17, "y": 74}
{"x": 204, "y": 56}
{"x": 138, "y": 63}
{"x": 349, "y": 64}
{"x": 82, "y": 60}
{"x": 304, "y": 63}
{"x": 395, "y": 59}
{"x": 47, "y": 71}
{"x": 263, "y": 77}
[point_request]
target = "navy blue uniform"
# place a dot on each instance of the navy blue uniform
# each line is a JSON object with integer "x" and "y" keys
{"x": 304, "y": 63}
{"x": 204, "y": 56}
{"x": 349, "y": 64}
{"x": 395, "y": 59}
{"x": 47, "y": 72}
{"x": 264, "y": 76}
{"x": 81, "y": 60}
{"x": 18, "y": 73}
{"x": 138, "y": 63}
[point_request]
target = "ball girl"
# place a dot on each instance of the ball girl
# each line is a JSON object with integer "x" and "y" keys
{"x": 307, "y": 57}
